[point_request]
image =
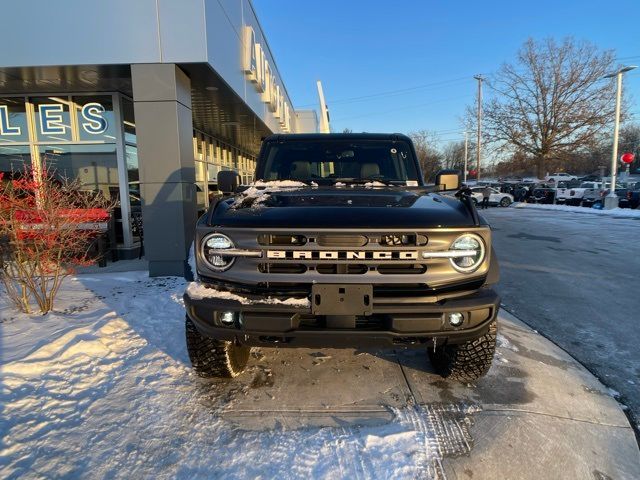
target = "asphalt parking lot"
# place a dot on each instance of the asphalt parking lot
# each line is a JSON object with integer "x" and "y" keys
{"x": 574, "y": 277}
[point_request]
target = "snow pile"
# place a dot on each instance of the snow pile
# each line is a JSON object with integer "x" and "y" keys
{"x": 260, "y": 191}
{"x": 104, "y": 388}
{"x": 281, "y": 184}
{"x": 504, "y": 343}
{"x": 198, "y": 291}
{"x": 374, "y": 184}
{"x": 614, "y": 212}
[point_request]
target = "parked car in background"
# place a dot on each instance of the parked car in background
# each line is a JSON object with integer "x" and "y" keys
{"x": 496, "y": 198}
{"x": 559, "y": 177}
{"x": 573, "y": 196}
{"x": 593, "y": 196}
{"x": 542, "y": 193}
{"x": 632, "y": 198}
{"x": 510, "y": 179}
{"x": 590, "y": 178}
{"x": 562, "y": 191}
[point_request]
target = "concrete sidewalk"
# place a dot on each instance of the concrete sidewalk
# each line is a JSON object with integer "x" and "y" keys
{"x": 538, "y": 414}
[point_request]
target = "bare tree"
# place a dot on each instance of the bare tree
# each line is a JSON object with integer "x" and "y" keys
{"x": 454, "y": 155}
{"x": 630, "y": 142}
{"x": 429, "y": 156}
{"x": 552, "y": 103}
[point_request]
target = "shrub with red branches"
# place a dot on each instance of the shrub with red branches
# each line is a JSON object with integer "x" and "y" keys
{"x": 47, "y": 227}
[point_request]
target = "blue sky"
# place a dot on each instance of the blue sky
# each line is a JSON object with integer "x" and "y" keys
{"x": 430, "y": 49}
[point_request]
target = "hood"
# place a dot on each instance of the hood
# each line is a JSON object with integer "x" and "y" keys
{"x": 334, "y": 207}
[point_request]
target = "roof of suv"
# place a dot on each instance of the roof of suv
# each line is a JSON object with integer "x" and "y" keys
{"x": 336, "y": 136}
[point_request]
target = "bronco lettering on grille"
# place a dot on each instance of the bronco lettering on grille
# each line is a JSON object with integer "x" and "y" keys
{"x": 340, "y": 255}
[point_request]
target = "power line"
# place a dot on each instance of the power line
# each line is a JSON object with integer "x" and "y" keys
{"x": 392, "y": 92}
{"x": 402, "y": 108}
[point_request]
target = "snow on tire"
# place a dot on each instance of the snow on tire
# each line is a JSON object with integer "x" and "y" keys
{"x": 467, "y": 361}
{"x": 214, "y": 358}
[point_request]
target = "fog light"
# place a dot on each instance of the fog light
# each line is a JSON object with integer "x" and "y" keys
{"x": 227, "y": 318}
{"x": 456, "y": 319}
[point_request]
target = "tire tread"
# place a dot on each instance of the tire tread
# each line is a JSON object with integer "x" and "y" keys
{"x": 214, "y": 358}
{"x": 467, "y": 361}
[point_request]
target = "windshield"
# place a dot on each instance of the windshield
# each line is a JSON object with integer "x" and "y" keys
{"x": 333, "y": 161}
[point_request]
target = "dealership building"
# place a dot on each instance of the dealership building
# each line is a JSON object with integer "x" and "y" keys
{"x": 144, "y": 101}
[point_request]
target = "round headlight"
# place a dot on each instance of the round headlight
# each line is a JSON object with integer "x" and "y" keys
{"x": 470, "y": 243}
{"x": 211, "y": 247}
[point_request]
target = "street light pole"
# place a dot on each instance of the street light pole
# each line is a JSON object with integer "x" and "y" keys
{"x": 466, "y": 156}
{"x": 479, "y": 78}
{"x": 611, "y": 200}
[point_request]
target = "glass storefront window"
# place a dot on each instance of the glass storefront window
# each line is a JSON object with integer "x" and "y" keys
{"x": 52, "y": 119}
{"x": 14, "y": 160}
{"x": 95, "y": 166}
{"x": 131, "y": 154}
{"x": 13, "y": 120}
{"x": 129, "y": 121}
{"x": 201, "y": 182}
{"x": 95, "y": 118}
{"x": 75, "y": 138}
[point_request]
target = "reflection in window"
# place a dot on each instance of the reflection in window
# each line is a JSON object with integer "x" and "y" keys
{"x": 133, "y": 176}
{"x": 14, "y": 160}
{"x": 129, "y": 121}
{"x": 131, "y": 154}
{"x": 13, "y": 120}
{"x": 201, "y": 182}
{"x": 95, "y": 117}
{"x": 95, "y": 166}
{"x": 53, "y": 122}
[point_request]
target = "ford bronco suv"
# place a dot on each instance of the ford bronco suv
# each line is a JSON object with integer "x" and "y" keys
{"x": 341, "y": 244}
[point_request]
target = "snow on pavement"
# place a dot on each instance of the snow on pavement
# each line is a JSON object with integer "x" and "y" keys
{"x": 614, "y": 212}
{"x": 103, "y": 388}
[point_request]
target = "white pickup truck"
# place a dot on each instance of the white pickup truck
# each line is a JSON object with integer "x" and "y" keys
{"x": 560, "y": 177}
{"x": 573, "y": 195}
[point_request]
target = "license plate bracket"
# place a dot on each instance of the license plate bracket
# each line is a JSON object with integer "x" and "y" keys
{"x": 335, "y": 299}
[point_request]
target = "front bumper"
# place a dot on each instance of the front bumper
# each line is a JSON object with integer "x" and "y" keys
{"x": 393, "y": 321}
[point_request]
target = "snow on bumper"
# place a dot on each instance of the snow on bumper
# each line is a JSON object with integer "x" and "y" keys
{"x": 289, "y": 321}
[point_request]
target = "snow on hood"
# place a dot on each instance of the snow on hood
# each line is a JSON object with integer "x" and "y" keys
{"x": 198, "y": 291}
{"x": 259, "y": 191}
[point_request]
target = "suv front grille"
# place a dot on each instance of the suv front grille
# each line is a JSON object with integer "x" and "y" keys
{"x": 341, "y": 269}
{"x": 282, "y": 268}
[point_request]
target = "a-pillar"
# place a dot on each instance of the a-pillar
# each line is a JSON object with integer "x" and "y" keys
{"x": 164, "y": 130}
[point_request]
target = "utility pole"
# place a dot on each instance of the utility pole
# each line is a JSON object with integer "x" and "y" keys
{"x": 324, "y": 111}
{"x": 479, "y": 78}
{"x": 611, "y": 200}
{"x": 466, "y": 156}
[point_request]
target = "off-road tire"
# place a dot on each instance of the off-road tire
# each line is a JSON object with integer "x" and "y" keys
{"x": 214, "y": 358}
{"x": 505, "y": 202}
{"x": 467, "y": 361}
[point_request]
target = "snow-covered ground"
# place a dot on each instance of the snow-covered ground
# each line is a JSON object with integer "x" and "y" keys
{"x": 103, "y": 388}
{"x": 614, "y": 212}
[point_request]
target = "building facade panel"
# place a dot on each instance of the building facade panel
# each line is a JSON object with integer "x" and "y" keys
{"x": 143, "y": 102}
{"x": 79, "y": 32}
{"x": 182, "y": 30}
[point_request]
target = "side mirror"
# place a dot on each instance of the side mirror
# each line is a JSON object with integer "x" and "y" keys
{"x": 228, "y": 181}
{"x": 448, "y": 179}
